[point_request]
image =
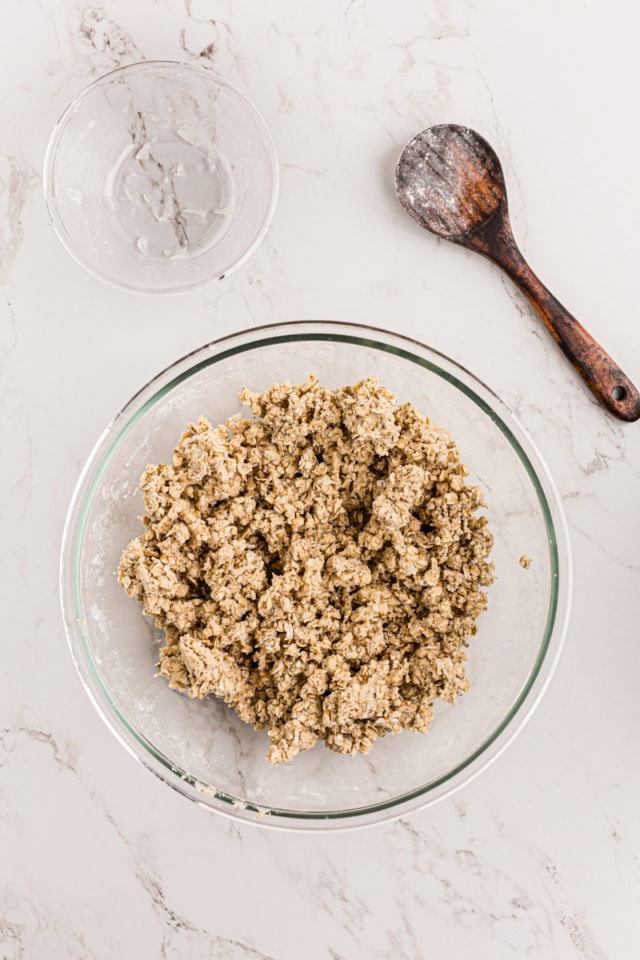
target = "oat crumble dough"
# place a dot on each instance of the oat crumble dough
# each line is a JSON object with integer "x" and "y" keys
{"x": 320, "y": 568}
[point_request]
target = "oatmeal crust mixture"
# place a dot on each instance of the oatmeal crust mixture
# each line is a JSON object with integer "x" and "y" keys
{"x": 319, "y": 567}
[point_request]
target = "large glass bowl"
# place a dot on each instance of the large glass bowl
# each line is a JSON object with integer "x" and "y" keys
{"x": 201, "y": 748}
{"x": 160, "y": 176}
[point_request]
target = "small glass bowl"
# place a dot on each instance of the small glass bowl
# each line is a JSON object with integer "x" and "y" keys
{"x": 202, "y": 748}
{"x": 160, "y": 176}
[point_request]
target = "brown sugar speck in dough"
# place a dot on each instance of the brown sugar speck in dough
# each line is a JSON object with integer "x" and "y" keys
{"x": 319, "y": 567}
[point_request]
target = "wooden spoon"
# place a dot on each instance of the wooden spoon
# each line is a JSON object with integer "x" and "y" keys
{"x": 450, "y": 180}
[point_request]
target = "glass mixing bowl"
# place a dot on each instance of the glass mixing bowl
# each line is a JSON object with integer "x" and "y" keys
{"x": 160, "y": 176}
{"x": 201, "y": 748}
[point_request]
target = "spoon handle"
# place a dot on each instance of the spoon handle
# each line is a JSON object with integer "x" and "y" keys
{"x": 601, "y": 373}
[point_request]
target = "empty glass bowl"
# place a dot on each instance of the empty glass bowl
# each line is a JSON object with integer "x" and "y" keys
{"x": 201, "y": 748}
{"x": 160, "y": 177}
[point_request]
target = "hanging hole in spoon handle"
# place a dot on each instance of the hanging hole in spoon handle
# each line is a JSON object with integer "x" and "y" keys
{"x": 603, "y": 376}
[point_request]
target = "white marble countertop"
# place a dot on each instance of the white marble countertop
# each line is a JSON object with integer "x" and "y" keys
{"x": 538, "y": 857}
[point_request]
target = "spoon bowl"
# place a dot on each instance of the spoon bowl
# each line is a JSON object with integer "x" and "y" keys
{"x": 450, "y": 180}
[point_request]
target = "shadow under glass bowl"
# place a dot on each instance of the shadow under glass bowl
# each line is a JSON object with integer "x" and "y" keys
{"x": 201, "y": 748}
{"x": 160, "y": 177}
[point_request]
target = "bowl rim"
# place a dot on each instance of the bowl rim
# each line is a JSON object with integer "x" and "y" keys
{"x": 358, "y": 334}
{"x": 48, "y": 186}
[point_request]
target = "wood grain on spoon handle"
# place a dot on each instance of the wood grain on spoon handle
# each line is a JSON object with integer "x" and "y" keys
{"x": 601, "y": 373}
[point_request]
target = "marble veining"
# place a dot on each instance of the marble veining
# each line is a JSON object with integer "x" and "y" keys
{"x": 106, "y": 38}
{"x": 17, "y": 181}
{"x": 540, "y": 856}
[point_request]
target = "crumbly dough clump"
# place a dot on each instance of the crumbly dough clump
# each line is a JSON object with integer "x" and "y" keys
{"x": 319, "y": 568}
